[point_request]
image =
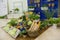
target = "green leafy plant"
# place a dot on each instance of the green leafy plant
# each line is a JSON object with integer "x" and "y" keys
{"x": 1, "y": 17}
{"x": 44, "y": 24}
{"x": 17, "y": 9}
{"x": 53, "y": 21}
{"x": 30, "y": 6}
{"x": 58, "y": 20}
{"x": 13, "y": 22}
{"x": 34, "y": 16}
{"x": 45, "y": 5}
{"x": 37, "y": 17}
{"x": 24, "y": 18}
{"x": 49, "y": 14}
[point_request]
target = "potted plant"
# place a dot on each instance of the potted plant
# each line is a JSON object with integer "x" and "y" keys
{"x": 49, "y": 14}
{"x": 44, "y": 24}
{"x": 30, "y": 6}
{"x": 53, "y": 22}
{"x": 16, "y": 10}
{"x": 58, "y": 20}
{"x": 13, "y": 22}
{"x": 45, "y": 5}
{"x": 2, "y": 17}
{"x": 34, "y": 16}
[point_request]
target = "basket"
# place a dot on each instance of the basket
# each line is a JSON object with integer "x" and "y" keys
{"x": 34, "y": 29}
{"x": 34, "y": 34}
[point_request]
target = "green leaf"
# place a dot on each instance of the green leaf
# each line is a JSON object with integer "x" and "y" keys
{"x": 13, "y": 22}
{"x": 17, "y": 9}
{"x": 49, "y": 14}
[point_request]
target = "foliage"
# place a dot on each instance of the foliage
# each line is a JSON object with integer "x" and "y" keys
{"x": 45, "y": 5}
{"x": 54, "y": 20}
{"x": 29, "y": 22}
{"x": 31, "y": 7}
{"x": 49, "y": 14}
{"x": 51, "y": 21}
{"x": 34, "y": 16}
{"x": 13, "y": 22}
{"x": 24, "y": 18}
{"x": 44, "y": 24}
{"x": 58, "y": 20}
{"x": 17, "y": 9}
{"x": 1, "y": 17}
{"x": 24, "y": 32}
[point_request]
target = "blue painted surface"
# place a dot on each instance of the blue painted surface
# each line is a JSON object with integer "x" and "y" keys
{"x": 42, "y": 2}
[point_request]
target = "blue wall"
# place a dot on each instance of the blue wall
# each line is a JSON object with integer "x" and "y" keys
{"x": 41, "y": 3}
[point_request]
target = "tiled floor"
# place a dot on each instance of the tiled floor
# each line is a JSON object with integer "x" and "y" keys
{"x": 3, "y": 34}
{"x": 50, "y": 34}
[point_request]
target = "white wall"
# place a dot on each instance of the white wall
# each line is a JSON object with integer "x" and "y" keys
{"x": 25, "y": 7}
{"x": 10, "y": 5}
{"x": 3, "y": 8}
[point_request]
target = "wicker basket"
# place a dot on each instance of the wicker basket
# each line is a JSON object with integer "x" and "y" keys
{"x": 34, "y": 34}
{"x": 34, "y": 29}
